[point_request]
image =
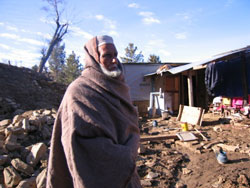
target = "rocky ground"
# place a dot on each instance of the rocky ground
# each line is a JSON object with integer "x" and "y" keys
{"x": 26, "y": 123}
{"x": 173, "y": 163}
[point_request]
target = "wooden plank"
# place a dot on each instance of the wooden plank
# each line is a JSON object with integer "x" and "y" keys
{"x": 205, "y": 138}
{"x": 157, "y": 138}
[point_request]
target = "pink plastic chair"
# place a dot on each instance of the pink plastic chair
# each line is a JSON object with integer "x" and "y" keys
{"x": 237, "y": 103}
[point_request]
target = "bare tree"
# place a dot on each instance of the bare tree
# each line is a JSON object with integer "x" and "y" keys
{"x": 60, "y": 30}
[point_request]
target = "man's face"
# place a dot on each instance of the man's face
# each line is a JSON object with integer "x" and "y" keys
{"x": 108, "y": 56}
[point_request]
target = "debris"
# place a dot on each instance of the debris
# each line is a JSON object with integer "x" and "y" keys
{"x": 242, "y": 179}
{"x": 152, "y": 175}
{"x": 209, "y": 145}
{"x": 157, "y": 138}
{"x": 186, "y": 136}
{"x": 150, "y": 163}
{"x": 228, "y": 147}
{"x": 186, "y": 171}
{"x": 205, "y": 138}
{"x": 180, "y": 185}
{"x": 141, "y": 149}
{"x": 146, "y": 183}
{"x": 217, "y": 128}
{"x": 11, "y": 176}
{"x": 41, "y": 179}
{"x": 37, "y": 152}
{"x": 22, "y": 167}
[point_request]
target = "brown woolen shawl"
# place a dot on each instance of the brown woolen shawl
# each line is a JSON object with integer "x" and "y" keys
{"x": 96, "y": 135}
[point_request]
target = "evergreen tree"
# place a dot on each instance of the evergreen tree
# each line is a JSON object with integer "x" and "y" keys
{"x": 34, "y": 68}
{"x": 57, "y": 61}
{"x": 154, "y": 59}
{"x": 131, "y": 56}
{"x": 72, "y": 69}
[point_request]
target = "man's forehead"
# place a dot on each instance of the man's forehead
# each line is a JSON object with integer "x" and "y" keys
{"x": 107, "y": 47}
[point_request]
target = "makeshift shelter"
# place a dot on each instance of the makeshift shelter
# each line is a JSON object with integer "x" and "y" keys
{"x": 187, "y": 83}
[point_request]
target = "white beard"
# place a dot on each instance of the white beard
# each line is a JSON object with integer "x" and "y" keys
{"x": 114, "y": 73}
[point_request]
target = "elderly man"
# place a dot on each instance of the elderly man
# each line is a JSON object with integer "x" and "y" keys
{"x": 95, "y": 137}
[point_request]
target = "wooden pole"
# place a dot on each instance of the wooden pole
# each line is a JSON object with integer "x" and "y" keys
{"x": 190, "y": 89}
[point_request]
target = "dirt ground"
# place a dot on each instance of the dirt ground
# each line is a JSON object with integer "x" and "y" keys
{"x": 173, "y": 163}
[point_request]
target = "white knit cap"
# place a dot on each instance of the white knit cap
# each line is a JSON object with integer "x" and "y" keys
{"x": 104, "y": 39}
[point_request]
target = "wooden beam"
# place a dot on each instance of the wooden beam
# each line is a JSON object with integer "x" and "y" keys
{"x": 190, "y": 89}
{"x": 205, "y": 138}
{"x": 157, "y": 138}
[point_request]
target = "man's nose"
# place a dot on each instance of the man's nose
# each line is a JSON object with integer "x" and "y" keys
{"x": 115, "y": 60}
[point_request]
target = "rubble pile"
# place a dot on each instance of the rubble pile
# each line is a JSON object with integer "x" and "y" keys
{"x": 24, "y": 148}
{"x": 174, "y": 163}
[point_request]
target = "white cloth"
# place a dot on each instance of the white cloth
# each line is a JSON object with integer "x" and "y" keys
{"x": 104, "y": 39}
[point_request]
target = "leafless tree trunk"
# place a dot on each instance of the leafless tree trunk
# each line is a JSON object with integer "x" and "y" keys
{"x": 60, "y": 31}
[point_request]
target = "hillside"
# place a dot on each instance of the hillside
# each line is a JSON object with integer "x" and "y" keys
{"x": 22, "y": 89}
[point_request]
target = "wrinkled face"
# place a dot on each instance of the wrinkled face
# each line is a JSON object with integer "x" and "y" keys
{"x": 108, "y": 56}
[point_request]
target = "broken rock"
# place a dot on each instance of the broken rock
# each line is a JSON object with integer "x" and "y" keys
{"x": 27, "y": 183}
{"x": 242, "y": 179}
{"x": 141, "y": 149}
{"x": 146, "y": 183}
{"x": 37, "y": 152}
{"x": 41, "y": 179}
{"x": 11, "y": 176}
{"x": 217, "y": 129}
{"x": 22, "y": 167}
{"x": 186, "y": 171}
{"x": 5, "y": 122}
{"x": 152, "y": 175}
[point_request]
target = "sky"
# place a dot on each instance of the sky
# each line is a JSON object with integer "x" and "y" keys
{"x": 174, "y": 30}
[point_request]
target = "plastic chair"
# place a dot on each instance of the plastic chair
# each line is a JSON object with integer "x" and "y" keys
{"x": 217, "y": 105}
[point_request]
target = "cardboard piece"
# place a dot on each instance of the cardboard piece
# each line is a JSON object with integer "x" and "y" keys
{"x": 191, "y": 115}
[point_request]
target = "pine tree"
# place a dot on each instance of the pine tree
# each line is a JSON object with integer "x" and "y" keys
{"x": 72, "y": 69}
{"x": 131, "y": 56}
{"x": 57, "y": 61}
{"x": 154, "y": 59}
{"x": 34, "y": 68}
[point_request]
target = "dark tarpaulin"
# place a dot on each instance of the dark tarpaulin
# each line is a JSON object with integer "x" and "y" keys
{"x": 224, "y": 78}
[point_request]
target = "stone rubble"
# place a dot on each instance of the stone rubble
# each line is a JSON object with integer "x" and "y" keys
{"x": 24, "y": 143}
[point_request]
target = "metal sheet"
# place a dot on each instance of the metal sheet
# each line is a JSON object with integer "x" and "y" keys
{"x": 186, "y": 67}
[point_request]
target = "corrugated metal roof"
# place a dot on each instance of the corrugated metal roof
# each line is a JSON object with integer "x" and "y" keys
{"x": 179, "y": 69}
